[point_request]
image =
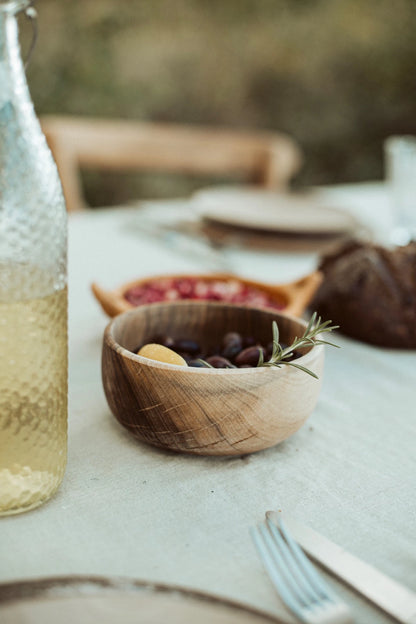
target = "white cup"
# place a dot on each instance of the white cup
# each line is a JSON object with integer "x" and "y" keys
{"x": 400, "y": 172}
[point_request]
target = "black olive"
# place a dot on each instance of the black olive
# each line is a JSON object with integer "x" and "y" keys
{"x": 249, "y": 341}
{"x": 216, "y": 361}
{"x": 232, "y": 345}
{"x": 249, "y": 356}
{"x": 184, "y": 345}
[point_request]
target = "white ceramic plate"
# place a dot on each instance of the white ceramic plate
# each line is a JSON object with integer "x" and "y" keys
{"x": 257, "y": 209}
{"x": 91, "y": 600}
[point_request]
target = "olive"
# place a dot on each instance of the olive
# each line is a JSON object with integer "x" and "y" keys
{"x": 183, "y": 345}
{"x": 161, "y": 353}
{"x": 232, "y": 345}
{"x": 249, "y": 356}
{"x": 235, "y": 351}
{"x": 216, "y": 361}
{"x": 249, "y": 341}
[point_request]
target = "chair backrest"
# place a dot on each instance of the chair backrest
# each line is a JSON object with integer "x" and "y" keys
{"x": 266, "y": 159}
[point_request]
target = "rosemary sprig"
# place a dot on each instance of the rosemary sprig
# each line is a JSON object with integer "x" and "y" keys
{"x": 203, "y": 363}
{"x": 310, "y": 337}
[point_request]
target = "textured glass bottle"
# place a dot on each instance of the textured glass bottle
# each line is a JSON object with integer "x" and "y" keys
{"x": 33, "y": 294}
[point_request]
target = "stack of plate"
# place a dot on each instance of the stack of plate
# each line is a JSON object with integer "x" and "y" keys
{"x": 262, "y": 210}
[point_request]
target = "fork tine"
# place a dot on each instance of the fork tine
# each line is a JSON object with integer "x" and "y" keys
{"x": 294, "y": 577}
{"x": 276, "y": 578}
{"x": 297, "y": 578}
{"x": 320, "y": 587}
{"x": 275, "y": 553}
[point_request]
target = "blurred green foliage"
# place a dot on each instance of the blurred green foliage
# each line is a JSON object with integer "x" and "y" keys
{"x": 335, "y": 74}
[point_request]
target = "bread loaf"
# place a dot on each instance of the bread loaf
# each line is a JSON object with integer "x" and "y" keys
{"x": 370, "y": 291}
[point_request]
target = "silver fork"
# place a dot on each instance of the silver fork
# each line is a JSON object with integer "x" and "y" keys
{"x": 294, "y": 577}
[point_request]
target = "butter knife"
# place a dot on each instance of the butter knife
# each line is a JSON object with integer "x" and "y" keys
{"x": 393, "y": 598}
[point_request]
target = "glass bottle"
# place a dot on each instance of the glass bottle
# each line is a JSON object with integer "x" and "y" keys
{"x": 33, "y": 292}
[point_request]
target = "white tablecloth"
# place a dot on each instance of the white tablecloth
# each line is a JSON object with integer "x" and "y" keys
{"x": 127, "y": 509}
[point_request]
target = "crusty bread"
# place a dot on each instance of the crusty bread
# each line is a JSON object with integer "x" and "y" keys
{"x": 370, "y": 291}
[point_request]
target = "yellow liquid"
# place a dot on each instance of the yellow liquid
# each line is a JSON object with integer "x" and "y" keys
{"x": 33, "y": 400}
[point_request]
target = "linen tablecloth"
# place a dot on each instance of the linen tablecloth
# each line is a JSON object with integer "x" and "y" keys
{"x": 127, "y": 509}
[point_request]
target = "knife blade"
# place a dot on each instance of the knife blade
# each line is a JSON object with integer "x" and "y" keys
{"x": 386, "y": 593}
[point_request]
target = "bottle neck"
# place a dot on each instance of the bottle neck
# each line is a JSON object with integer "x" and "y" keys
{"x": 14, "y": 6}
{"x": 12, "y": 73}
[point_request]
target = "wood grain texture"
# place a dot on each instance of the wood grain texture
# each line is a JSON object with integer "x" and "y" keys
{"x": 268, "y": 159}
{"x": 206, "y": 411}
{"x": 293, "y": 296}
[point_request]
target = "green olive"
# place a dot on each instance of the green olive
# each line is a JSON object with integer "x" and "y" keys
{"x": 161, "y": 354}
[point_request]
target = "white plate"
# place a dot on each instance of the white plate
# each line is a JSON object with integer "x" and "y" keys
{"x": 257, "y": 209}
{"x": 90, "y": 600}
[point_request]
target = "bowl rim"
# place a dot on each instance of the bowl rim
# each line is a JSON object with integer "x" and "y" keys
{"x": 277, "y": 292}
{"x": 294, "y": 295}
{"x": 313, "y": 352}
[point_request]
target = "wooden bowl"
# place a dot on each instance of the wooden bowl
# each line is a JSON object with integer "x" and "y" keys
{"x": 201, "y": 410}
{"x": 292, "y": 297}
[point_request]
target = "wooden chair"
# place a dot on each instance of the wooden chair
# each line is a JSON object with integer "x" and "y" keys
{"x": 266, "y": 159}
